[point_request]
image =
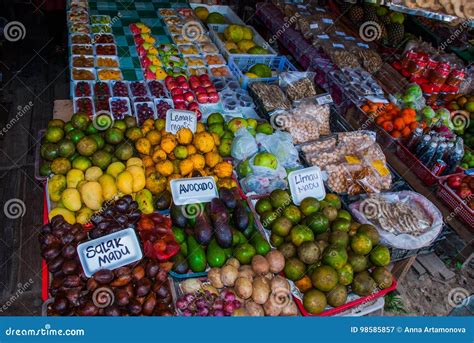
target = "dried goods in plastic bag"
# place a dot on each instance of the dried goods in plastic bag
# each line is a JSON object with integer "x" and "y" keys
{"x": 271, "y": 96}
{"x": 298, "y": 85}
{"x": 404, "y": 220}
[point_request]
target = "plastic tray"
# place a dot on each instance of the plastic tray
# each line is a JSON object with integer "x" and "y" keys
{"x": 150, "y": 104}
{"x": 84, "y": 97}
{"x": 230, "y": 16}
{"x": 241, "y": 64}
{"x": 459, "y": 207}
{"x": 165, "y": 90}
{"x": 78, "y": 34}
{"x": 214, "y": 35}
{"x": 74, "y": 85}
{"x": 92, "y": 70}
{"x": 115, "y": 98}
{"x": 415, "y": 165}
{"x": 111, "y": 57}
{"x": 82, "y": 45}
{"x": 89, "y": 57}
{"x": 113, "y": 82}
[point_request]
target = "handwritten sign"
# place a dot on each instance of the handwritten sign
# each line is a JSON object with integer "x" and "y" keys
{"x": 109, "y": 252}
{"x": 307, "y": 182}
{"x": 193, "y": 190}
{"x": 177, "y": 119}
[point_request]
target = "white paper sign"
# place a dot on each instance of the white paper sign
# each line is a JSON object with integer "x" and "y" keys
{"x": 109, "y": 252}
{"x": 193, "y": 190}
{"x": 307, "y": 182}
{"x": 177, "y": 119}
{"x": 324, "y": 99}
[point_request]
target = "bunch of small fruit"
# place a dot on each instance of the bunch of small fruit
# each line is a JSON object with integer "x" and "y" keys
{"x": 325, "y": 250}
{"x": 168, "y": 156}
{"x": 147, "y": 52}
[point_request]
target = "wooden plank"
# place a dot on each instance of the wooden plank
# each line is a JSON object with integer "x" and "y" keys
{"x": 400, "y": 268}
{"x": 435, "y": 267}
{"x": 419, "y": 268}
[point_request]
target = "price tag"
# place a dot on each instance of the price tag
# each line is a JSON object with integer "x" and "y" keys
{"x": 363, "y": 45}
{"x": 324, "y": 99}
{"x": 323, "y": 36}
{"x": 319, "y": 9}
{"x": 307, "y": 182}
{"x": 301, "y": 6}
{"x": 340, "y": 33}
{"x": 338, "y": 45}
{"x": 193, "y": 190}
{"x": 313, "y": 26}
{"x": 349, "y": 38}
{"x": 109, "y": 252}
{"x": 328, "y": 21}
{"x": 177, "y": 119}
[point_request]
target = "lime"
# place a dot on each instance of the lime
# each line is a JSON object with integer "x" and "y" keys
{"x": 81, "y": 163}
{"x": 54, "y": 134}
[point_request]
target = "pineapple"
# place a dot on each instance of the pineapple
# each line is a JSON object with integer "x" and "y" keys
{"x": 356, "y": 14}
{"x": 395, "y": 33}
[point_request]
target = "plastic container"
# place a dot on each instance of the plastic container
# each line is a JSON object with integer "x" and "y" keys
{"x": 107, "y": 57}
{"x": 150, "y": 104}
{"x": 214, "y": 35}
{"x": 157, "y": 102}
{"x": 76, "y": 106}
{"x": 459, "y": 207}
{"x": 230, "y": 16}
{"x": 107, "y": 89}
{"x": 90, "y": 70}
{"x": 415, "y": 165}
{"x": 114, "y": 82}
{"x": 113, "y": 47}
{"x": 81, "y": 94}
{"x": 82, "y": 49}
{"x": 165, "y": 92}
{"x": 72, "y": 36}
{"x": 240, "y": 65}
{"x": 129, "y": 108}
{"x": 144, "y": 87}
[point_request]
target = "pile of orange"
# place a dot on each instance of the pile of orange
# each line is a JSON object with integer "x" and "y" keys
{"x": 398, "y": 122}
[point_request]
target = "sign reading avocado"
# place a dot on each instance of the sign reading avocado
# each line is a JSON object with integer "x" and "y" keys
{"x": 193, "y": 190}
{"x": 109, "y": 252}
{"x": 177, "y": 119}
{"x": 307, "y": 182}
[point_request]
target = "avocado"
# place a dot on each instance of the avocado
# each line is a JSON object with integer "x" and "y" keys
{"x": 196, "y": 255}
{"x": 215, "y": 255}
{"x": 227, "y": 196}
{"x": 203, "y": 228}
{"x": 179, "y": 234}
{"x": 177, "y": 216}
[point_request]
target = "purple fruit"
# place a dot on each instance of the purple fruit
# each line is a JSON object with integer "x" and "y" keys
{"x": 120, "y": 89}
{"x": 138, "y": 88}
{"x": 157, "y": 89}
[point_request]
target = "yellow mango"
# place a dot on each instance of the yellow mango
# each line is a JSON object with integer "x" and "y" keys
{"x": 91, "y": 193}
{"x": 93, "y": 173}
{"x": 134, "y": 161}
{"x": 73, "y": 177}
{"x": 144, "y": 199}
{"x": 125, "y": 182}
{"x": 115, "y": 168}
{"x": 109, "y": 189}
{"x": 84, "y": 215}
{"x": 71, "y": 199}
{"x": 138, "y": 178}
{"x": 56, "y": 185}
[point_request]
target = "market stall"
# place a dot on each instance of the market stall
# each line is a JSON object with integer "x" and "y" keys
{"x": 237, "y": 184}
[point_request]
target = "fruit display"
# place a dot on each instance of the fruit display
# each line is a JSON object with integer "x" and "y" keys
{"x": 143, "y": 289}
{"x": 241, "y": 39}
{"x": 82, "y": 88}
{"x": 83, "y": 61}
{"x": 327, "y": 254}
{"x": 120, "y": 107}
{"x": 209, "y": 235}
{"x": 120, "y": 88}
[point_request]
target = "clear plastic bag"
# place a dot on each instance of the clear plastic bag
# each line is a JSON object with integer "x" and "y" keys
{"x": 262, "y": 180}
{"x": 298, "y": 85}
{"x": 244, "y": 145}
{"x": 281, "y": 145}
{"x": 404, "y": 220}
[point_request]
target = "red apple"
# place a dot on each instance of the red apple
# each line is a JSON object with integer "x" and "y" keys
{"x": 172, "y": 85}
{"x": 200, "y": 90}
{"x": 194, "y": 84}
{"x": 168, "y": 79}
{"x": 454, "y": 182}
{"x": 206, "y": 83}
{"x": 202, "y": 98}
{"x": 145, "y": 62}
{"x": 204, "y": 77}
{"x": 193, "y": 78}
{"x": 464, "y": 193}
{"x": 176, "y": 91}
{"x": 211, "y": 89}
{"x": 213, "y": 97}
{"x": 180, "y": 106}
{"x": 183, "y": 85}
{"x": 178, "y": 98}
{"x": 181, "y": 78}
{"x": 193, "y": 106}
{"x": 189, "y": 96}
